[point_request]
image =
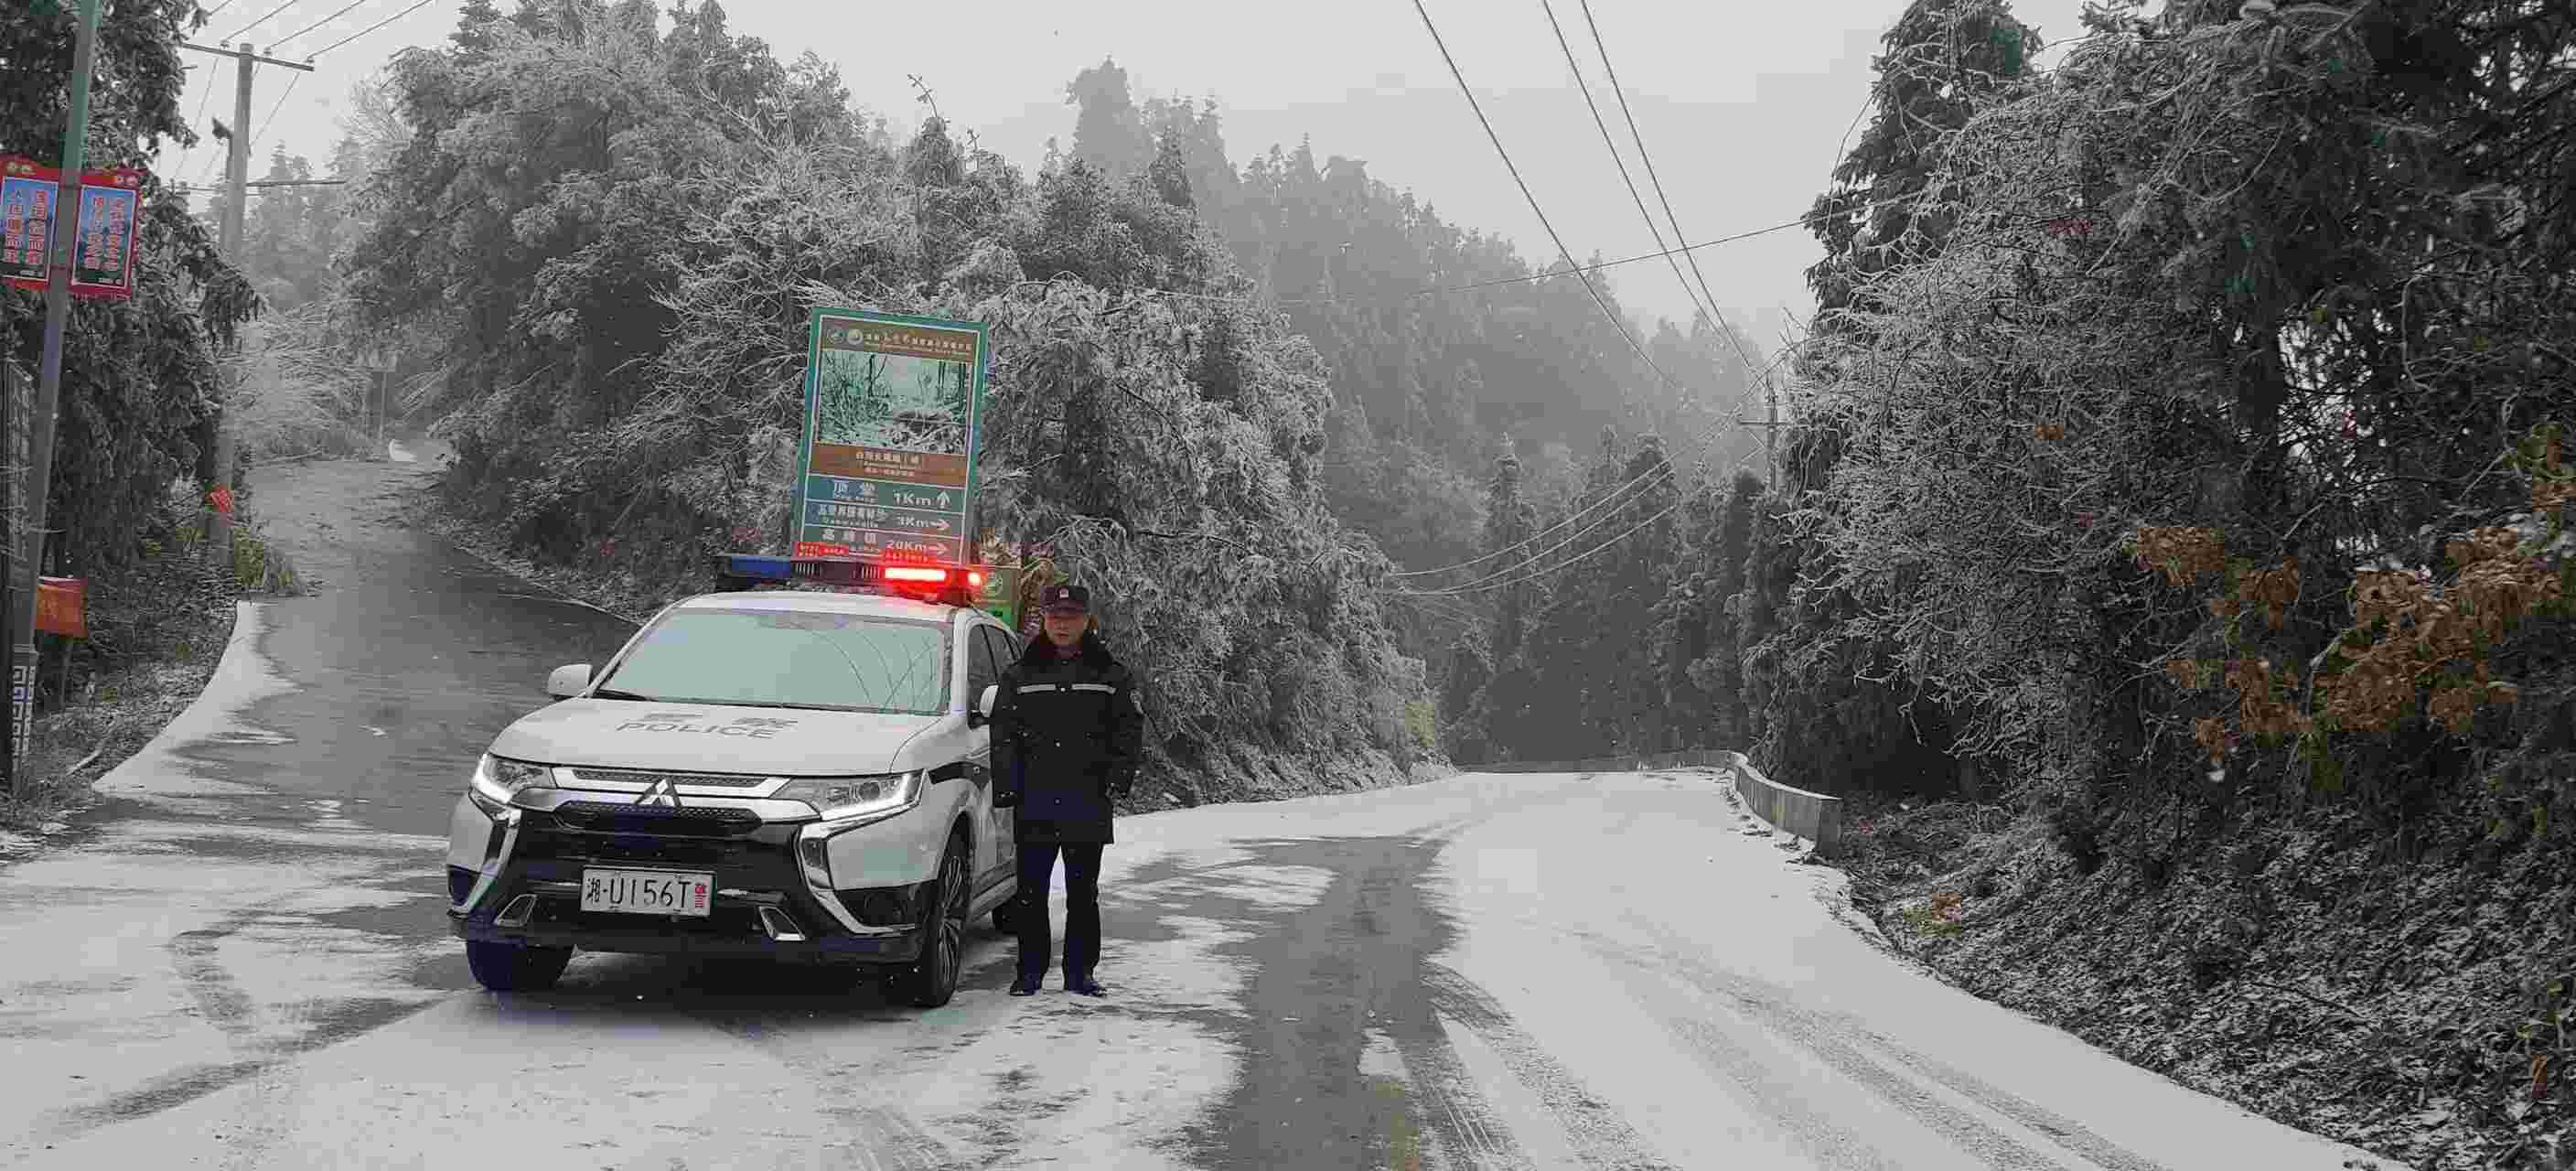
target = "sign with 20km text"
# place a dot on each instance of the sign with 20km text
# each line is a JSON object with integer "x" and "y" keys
{"x": 894, "y": 413}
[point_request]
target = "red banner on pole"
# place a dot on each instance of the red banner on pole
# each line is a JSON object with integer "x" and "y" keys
{"x": 62, "y": 606}
{"x": 111, "y": 207}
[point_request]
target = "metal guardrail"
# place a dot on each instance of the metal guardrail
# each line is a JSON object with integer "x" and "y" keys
{"x": 1611, "y": 764}
{"x": 1814, "y": 817}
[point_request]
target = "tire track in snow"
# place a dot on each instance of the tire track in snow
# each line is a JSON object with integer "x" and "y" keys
{"x": 1327, "y": 979}
{"x": 880, "y": 1138}
{"x": 297, "y": 1027}
{"x": 1601, "y": 1138}
{"x": 221, "y": 1003}
{"x": 1844, "y": 1044}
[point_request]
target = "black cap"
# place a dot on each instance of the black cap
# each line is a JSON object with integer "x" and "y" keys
{"x": 1065, "y": 599}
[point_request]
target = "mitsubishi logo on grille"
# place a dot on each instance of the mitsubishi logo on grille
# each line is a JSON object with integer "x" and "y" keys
{"x": 663, "y": 792}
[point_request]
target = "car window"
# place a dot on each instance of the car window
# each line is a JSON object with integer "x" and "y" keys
{"x": 981, "y": 669}
{"x": 787, "y": 658}
{"x": 1006, "y": 649}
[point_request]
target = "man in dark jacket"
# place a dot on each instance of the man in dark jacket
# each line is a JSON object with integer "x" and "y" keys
{"x": 1068, "y": 729}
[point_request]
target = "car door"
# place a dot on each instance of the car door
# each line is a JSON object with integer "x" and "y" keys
{"x": 983, "y": 669}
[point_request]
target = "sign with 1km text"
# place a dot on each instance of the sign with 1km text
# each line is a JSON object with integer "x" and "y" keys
{"x": 894, "y": 413}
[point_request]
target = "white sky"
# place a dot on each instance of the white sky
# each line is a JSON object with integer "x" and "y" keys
{"x": 1743, "y": 113}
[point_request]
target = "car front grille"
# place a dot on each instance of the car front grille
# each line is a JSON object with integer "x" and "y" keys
{"x": 761, "y": 858}
{"x": 689, "y": 820}
{"x": 620, "y": 776}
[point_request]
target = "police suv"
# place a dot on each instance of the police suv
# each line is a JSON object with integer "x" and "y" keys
{"x": 790, "y": 773}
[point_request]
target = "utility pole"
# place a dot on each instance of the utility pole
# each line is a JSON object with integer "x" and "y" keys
{"x": 13, "y": 438}
{"x": 219, "y": 523}
{"x": 1771, "y": 433}
{"x": 49, "y": 387}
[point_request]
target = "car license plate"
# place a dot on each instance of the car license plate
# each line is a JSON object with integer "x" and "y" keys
{"x": 647, "y": 892}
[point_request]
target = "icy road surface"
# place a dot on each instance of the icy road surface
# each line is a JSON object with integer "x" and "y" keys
{"x": 1486, "y": 972}
{"x": 241, "y": 962}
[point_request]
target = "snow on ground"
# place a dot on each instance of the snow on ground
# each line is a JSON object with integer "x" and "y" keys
{"x": 1484, "y": 971}
{"x": 160, "y": 773}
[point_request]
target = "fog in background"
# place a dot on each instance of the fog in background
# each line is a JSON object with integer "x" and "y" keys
{"x": 1744, "y": 110}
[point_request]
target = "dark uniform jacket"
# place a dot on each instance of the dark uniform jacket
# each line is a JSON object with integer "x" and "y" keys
{"x": 1068, "y": 733}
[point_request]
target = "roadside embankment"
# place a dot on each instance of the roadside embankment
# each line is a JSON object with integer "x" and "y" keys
{"x": 2413, "y": 1007}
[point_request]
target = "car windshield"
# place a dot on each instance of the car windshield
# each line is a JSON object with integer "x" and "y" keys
{"x": 787, "y": 658}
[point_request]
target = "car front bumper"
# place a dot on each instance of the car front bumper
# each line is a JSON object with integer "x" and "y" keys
{"x": 651, "y": 938}
{"x": 515, "y": 878}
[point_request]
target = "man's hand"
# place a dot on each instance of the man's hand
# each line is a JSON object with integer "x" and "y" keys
{"x": 1005, "y": 799}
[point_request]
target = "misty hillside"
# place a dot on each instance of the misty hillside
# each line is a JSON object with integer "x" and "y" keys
{"x": 2166, "y": 561}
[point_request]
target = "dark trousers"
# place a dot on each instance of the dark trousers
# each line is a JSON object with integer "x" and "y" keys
{"x": 1081, "y": 908}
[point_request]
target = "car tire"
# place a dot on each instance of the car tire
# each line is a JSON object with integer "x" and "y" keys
{"x": 508, "y": 967}
{"x": 931, "y": 980}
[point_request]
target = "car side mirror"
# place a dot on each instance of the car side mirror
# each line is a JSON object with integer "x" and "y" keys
{"x": 568, "y": 681}
{"x": 983, "y": 712}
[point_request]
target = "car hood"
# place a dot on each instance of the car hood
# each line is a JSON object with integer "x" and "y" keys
{"x": 617, "y": 733}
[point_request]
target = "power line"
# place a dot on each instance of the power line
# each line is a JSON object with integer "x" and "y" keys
{"x": 1665, "y": 472}
{"x": 1559, "y": 567}
{"x": 1527, "y": 278}
{"x": 261, "y": 185}
{"x": 353, "y": 6}
{"x": 253, "y": 140}
{"x": 193, "y": 119}
{"x": 218, "y": 10}
{"x": 1622, "y": 163}
{"x": 1499, "y": 282}
{"x": 1519, "y": 572}
{"x": 1621, "y": 93}
{"x": 370, "y": 28}
{"x": 272, "y": 14}
{"x": 1568, "y": 253}
{"x": 1668, "y": 471}
{"x": 1542, "y": 534}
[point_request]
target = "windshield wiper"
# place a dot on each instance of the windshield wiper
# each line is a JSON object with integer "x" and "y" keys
{"x": 613, "y": 693}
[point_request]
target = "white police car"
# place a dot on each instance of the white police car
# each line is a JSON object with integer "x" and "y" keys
{"x": 780, "y": 773}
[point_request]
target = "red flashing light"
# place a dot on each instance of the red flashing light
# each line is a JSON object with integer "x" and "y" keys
{"x": 926, "y": 574}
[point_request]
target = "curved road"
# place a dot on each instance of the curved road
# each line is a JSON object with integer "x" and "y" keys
{"x": 242, "y": 963}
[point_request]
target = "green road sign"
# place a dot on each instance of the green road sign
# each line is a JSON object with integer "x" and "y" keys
{"x": 894, "y": 412}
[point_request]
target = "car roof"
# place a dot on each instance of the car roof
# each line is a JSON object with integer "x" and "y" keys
{"x": 826, "y": 602}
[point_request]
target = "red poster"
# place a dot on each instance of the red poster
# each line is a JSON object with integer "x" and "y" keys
{"x": 110, "y": 210}
{"x": 60, "y": 607}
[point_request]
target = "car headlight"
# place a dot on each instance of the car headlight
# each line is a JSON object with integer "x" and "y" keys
{"x": 496, "y": 780}
{"x": 841, "y": 798}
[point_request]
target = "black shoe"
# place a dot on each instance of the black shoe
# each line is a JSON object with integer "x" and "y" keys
{"x": 1024, "y": 986}
{"x": 1086, "y": 986}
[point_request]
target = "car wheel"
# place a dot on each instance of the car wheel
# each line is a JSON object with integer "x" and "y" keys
{"x": 508, "y": 967}
{"x": 932, "y": 979}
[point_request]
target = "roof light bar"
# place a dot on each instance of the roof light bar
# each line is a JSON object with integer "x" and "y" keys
{"x": 763, "y": 567}
{"x": 953, "y": 585}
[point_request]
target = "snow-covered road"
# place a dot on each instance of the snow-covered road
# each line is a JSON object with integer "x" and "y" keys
{"x": 1482, "y": 972}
